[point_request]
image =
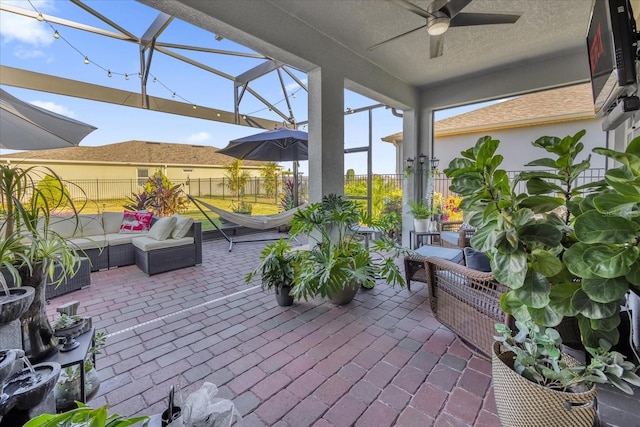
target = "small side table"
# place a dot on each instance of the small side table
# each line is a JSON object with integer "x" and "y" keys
{"x": 76, "y": 357}
{"x": 415, "y": 237}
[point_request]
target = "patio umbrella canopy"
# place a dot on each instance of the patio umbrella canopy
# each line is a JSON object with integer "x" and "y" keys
{"x": 24, "y": 126}
{"x": 277, "y": 145}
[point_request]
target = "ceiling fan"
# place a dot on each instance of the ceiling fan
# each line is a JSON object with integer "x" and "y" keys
{"x": 442, "y": 14}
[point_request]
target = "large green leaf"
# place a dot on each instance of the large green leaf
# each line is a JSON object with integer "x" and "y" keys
{"x": 458, "y": 166}
{"x": 617, "y": 204}
{"x": 560, "y": 298}
{"x": 484, "y": 238}
{"x": 593, "y": 227}
{"x": 511, "y": 269}
{"x": 541, "y": 204}
{"x": 606, "y": 324}
{"x": 633, "y": 276}
{"x": 573, "y": 259}
{"x": 546, "y": 262}
{"x": 631, "y": 158}
{"x": 512, "y": 305}
{"x": 591, "y": 337}
{"x": 605, "y": 290}
{"x": 543, "y": 162}
{"x": 466, "y": 185}
{"x": 543, "y": 233}
{"x": 546, "y": 316}
{"x": 609, "y": 261}
{"x": 592, "y": 309}
{"x": 534, "y": 292}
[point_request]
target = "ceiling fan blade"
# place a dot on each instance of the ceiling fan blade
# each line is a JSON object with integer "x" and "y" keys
{"x": 453, "y": 7}
{"x": 467, "y": 19}
{"x": 436, "y": 45}
{"x": 412, "y": 8}
{"x": 375, "y": 46}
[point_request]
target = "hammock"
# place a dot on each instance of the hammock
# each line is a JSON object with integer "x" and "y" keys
{"x": 258, "y": 222}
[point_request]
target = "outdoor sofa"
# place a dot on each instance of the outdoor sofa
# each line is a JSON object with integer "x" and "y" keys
{"x": 102, "y": 238}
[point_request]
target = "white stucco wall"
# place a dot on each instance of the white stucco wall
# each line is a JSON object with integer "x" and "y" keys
{"x": 515, "y": 144}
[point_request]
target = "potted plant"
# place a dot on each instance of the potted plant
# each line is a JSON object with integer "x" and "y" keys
{"x": 85, "y": 416}
{"x": 67, "y": 389}
{"x": 276, "y": 269}
{"x": 338, "y": 262}
{"x": 36, "y": 250}
{"x": 558, "y": 389}
{"x": 566, "y": 252}
{"x": 421, "y": 215}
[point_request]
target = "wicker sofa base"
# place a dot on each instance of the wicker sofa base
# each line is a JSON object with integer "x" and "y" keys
{"x": 122, "y": 255}
{"x": 163, "y": 260}
{"x": 81, "y": 279}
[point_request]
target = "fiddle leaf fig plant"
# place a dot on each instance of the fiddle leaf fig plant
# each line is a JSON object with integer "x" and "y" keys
{"x": 564, "y": 250}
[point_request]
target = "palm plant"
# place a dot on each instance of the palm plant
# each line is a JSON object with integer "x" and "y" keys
{"x": 337, "y": 258}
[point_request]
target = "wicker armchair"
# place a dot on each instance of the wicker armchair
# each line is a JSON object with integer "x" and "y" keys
{"x": 466, "y": 301}
{"x": 452, "y": 235}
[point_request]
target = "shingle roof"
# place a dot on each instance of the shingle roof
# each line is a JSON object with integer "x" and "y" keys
{"x": 136, "y": 152}
{"x": 551, "y": 106}
{"x": 533, "y": 109}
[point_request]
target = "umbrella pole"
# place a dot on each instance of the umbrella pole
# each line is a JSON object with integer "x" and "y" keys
{"x": 295, "y": 183}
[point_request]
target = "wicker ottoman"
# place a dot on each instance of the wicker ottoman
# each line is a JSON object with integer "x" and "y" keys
{"x": 81, "y": 279}
{"x": 414, "y": 263}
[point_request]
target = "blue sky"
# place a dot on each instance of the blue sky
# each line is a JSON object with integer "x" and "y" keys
{"x": 29, "y": 44}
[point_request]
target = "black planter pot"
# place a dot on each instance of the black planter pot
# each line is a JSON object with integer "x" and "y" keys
{"x": 38, "y": 336}
{"x": 282, "y": 296}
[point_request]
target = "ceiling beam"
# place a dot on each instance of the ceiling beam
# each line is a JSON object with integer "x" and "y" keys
{"x": 46, "y": 83}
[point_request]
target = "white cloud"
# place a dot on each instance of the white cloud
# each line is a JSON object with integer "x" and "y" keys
{"x": 25, "y": 30}
{"x": 56, "y": 108}
{"x": 23, "y": 53}
{"x": 199, "y": 137}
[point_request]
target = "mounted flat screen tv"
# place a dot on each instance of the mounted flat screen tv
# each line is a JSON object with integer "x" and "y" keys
{"x": 611, "y": 43}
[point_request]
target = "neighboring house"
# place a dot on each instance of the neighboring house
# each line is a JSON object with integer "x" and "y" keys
{"x": 133, "y": 162}
{"x": 517, "y": 122}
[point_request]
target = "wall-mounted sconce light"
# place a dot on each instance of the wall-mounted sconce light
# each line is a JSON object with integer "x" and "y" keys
{"x": 434, "y": 163}
{"x": 409, "y": 163}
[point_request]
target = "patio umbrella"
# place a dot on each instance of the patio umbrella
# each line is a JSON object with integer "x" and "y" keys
{"x": 24, "y": 126}
{"x": 277, "y": 145}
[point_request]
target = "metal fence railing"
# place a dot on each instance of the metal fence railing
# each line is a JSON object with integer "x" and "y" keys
{"x": 120, "y": 189}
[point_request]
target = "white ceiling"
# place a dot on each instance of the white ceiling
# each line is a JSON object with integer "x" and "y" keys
{"x": 305, "y": 33}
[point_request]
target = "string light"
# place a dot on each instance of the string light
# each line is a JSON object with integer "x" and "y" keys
{"x": 86, "y": 60}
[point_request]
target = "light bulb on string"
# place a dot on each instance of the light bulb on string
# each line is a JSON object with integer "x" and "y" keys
{"x": 40, "y": 17}
{"x": 194, "y": 106}
{"x": 56, "y": 34}
{"x": 109, "y": 73}
{"x": 139, "y": 75}
{"x": 173, "y": 95}
{"x": 126, "y": 76}
{"x": 86, "y": 59}
{"x": 154, "y": 79}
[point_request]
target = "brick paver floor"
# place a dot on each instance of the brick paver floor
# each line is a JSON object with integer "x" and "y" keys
{"x": 382, "y": 360}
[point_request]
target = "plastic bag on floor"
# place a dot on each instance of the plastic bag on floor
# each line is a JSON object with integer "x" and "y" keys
{"x": 202, "y": 409}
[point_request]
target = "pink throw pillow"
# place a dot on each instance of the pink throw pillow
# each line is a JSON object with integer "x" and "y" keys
{"x": 136, "y": 222}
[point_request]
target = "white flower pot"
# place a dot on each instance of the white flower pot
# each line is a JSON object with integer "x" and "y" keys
{"x": 421, "y": 225}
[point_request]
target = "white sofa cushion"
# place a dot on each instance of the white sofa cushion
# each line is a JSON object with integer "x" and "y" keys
{"x": 147, "y": 244}
{"x": 91, "y": 225}
{"x": 85, "y": 243}
{"x": 111, "y": 221}
{"x": 115, "y": 239}
{"x": 162, "y": 228}
{"x": 183, "y": 224}
{"x": 64, "y": 225}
